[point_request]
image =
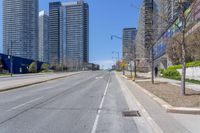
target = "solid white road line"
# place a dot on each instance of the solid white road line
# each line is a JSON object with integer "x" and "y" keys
{"x": 21, "y": 105}
{"x": 94, "y": 128}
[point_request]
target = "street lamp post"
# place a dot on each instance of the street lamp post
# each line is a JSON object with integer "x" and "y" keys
{"x": 10, "y": 53}
{"x": 134, "y": 50}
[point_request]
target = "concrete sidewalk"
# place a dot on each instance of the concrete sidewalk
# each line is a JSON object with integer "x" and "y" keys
{"x": 168, "y": 122}
{"x": 22, "y": 82}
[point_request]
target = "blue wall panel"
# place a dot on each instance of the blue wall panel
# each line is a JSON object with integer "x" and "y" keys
{"x": 20, "y": 65}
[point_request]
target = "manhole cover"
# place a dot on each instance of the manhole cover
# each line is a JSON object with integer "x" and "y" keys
{"x": 133, "y": 113}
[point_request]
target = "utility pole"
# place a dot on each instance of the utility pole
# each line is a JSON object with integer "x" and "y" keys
{"x": 152, "y": 65}
{"x": 135, "y": 63}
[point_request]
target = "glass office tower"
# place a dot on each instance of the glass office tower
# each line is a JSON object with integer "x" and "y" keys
{"x": 43, "y": 36}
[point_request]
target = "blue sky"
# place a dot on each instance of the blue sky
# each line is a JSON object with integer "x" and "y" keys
{"x": 107, "y": 17}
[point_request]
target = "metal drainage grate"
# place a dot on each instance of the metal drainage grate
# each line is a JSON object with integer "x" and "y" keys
{"x": 131, "y": 113}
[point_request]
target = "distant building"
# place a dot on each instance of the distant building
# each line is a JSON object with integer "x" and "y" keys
{"x": 129, "y": 35}
{"x": 20, "y": 28}
{"x": 54, "y": 32}
{"x": 69, "y": 33}
{"x": 74, "y": 34}
{"x": 43, "y": 36}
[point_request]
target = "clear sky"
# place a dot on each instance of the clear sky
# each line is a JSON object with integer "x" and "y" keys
{"x": 107, "y": 17}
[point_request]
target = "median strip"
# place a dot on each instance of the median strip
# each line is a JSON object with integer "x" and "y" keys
{"x": 35, "y": 82}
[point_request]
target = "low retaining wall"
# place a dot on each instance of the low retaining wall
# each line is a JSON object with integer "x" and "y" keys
{"x": 192, "y": 72}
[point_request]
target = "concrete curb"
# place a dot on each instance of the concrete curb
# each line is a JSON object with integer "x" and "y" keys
{"x": 169, "y": 108}
{"x": 35, "y": 83}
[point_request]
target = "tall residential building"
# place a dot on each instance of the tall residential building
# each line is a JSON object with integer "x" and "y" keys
{"x": 74, "y": 38}
{"x": 20, "y": 28}
{"x": 148, "y": 31}
{"x": 43, "y": 37}
{"x": 54, "y": 32}
{"x": 86, "y": 33}
{"x": 69, "y": 33}
{"x": 141, "y": 51}
{"x": 129, "y": 36}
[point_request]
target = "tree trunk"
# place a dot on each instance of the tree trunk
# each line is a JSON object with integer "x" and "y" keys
{"x": 183, "y": 63}
{"x": 152, "y": 66}
{"x": 183, "y": 47}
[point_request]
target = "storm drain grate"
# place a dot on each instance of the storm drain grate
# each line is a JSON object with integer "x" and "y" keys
{"x": 133, "y": 113}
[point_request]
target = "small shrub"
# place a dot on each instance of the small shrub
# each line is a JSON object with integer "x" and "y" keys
{"x": 45, "y": 67}
{"x": 162, "y": 71}
{"x": 32, "y": 67}
{"x": 170, "y": 73}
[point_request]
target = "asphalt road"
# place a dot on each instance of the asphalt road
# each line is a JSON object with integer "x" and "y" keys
{"x": 90, "y": 102}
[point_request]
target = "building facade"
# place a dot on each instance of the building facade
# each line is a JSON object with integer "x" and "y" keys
{"x": 129, "y": 36}
{"x": 20, "y": 28}
{"x": 43, "y": 54}
{"x": 170, "y": 9}
{"x": 161, "y": 56}
{"x": 69, "y": 33}
{"x": 148, "y": 31}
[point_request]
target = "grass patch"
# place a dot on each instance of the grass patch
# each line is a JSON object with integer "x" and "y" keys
{"x": 4, "y": 74}
{"x": 187, "y": 80}
{"x": 193, "y": 81}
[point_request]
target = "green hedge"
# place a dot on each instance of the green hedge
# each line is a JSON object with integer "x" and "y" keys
{"x": 190, "y": 64}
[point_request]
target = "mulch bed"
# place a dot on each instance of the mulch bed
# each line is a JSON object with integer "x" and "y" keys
{"x": 172, "y": 94}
